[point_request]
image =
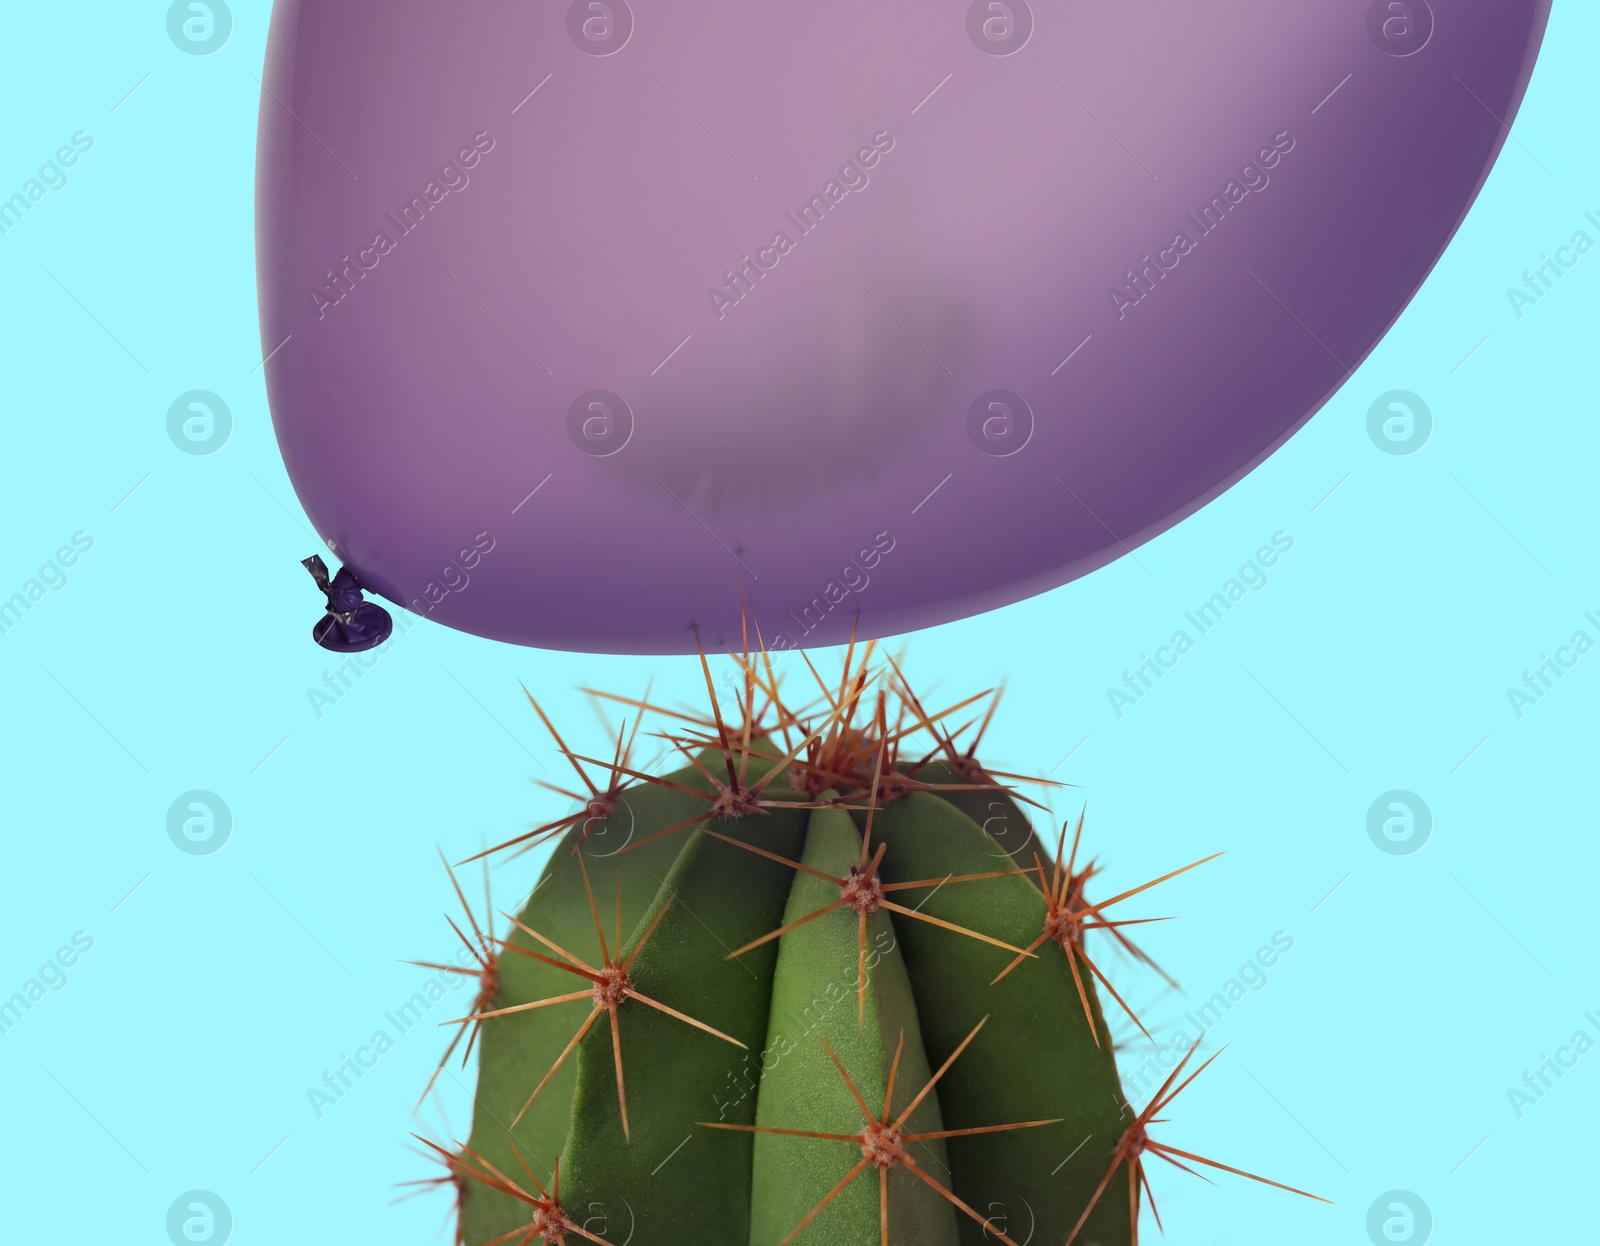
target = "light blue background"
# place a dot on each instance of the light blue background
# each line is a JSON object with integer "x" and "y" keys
{"x": 217, "y": 992}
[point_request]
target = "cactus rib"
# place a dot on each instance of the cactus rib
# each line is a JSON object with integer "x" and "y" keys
{"x": 802, "y": 855}
{"x": 883, "y": 1140}
{"x": 612, "y": 985}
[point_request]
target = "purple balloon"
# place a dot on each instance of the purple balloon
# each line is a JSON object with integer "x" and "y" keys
{"x": 591, "y": 323}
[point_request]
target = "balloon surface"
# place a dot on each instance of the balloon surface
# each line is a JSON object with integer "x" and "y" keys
{"x": 588, "y": 322}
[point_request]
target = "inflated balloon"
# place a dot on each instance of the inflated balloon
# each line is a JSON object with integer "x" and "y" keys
{"x": 589, "y": 321}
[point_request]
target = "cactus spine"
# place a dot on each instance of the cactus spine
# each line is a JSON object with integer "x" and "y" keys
{"x": 807, "y": 987}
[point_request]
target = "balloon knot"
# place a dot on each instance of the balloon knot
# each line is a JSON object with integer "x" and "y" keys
{"x": 352, "y": 624}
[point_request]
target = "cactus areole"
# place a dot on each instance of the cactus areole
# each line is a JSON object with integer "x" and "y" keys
{"x": 741, "y": 1009}
{"x": 580, "y": 316}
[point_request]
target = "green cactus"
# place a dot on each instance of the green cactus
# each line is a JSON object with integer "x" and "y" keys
{"x": 805, "y": 988}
